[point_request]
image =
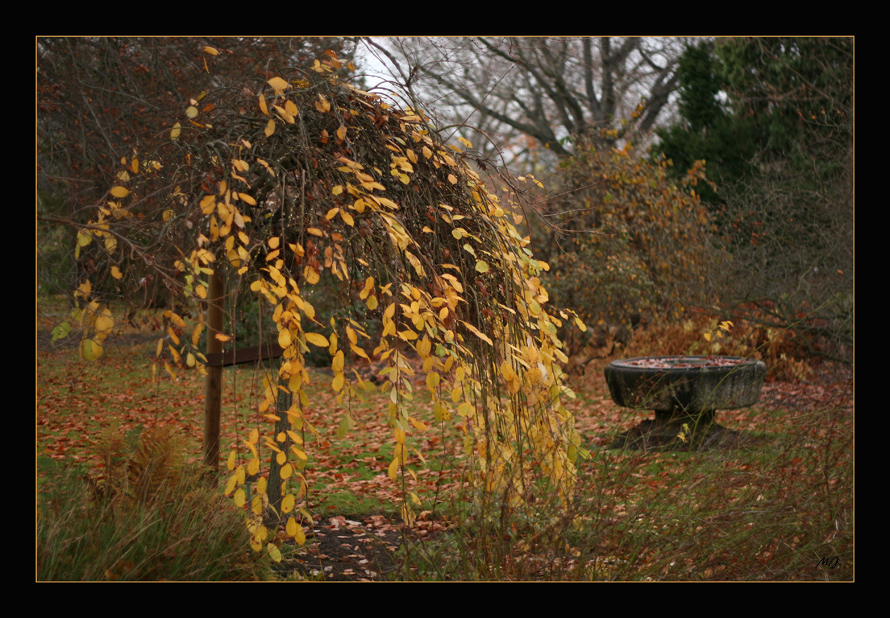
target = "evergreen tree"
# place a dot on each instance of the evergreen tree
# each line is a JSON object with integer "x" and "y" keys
{"x": 708, "y": 130}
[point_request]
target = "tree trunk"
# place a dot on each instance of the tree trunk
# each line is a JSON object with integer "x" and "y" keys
{"x": 213, "y": 384}
{"x": 282, "y": 425}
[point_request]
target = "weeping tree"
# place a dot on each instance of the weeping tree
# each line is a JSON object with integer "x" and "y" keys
{"x": 300, "y": 186}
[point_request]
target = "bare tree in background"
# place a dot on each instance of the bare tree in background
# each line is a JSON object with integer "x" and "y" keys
{"x": 540, "y": 91}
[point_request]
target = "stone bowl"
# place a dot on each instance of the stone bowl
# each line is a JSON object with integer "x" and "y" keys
{"x": 685, "y": 385}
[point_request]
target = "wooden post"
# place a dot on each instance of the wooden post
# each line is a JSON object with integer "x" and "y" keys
{"x": 213, "y": 384}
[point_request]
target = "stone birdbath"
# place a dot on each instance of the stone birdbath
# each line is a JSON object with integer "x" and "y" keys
{"x": 685, "y": 392}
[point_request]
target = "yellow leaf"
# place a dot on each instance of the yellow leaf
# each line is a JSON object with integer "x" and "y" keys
{"x": 270, "y": 128}
{"x": 337, "y": 364}
{"x": 477, "y": 332}
{"x": 119, "y": 191}
{"x": 299, "y": 535}
{"x": 240, "y": 498}
{"x": 432, "y": 380}
{"x": 231, "y": 484}
{"x": 393, "y": 470}
{"x": 284, "y": 338}
{"x": 172, "y": 334}
{"x": 322, "y": 105}
{"x": 208, "y": 204}
{"x": 287, "y": 503}
{"x": 90, "y": 349}
{"x": 423, "y": 347}
{"x": 116, "y": 272}
{"x": 341, "y": 133}
{"x": 312, "y": 276}
{"x": 452, "y": 179}
{"x": 210, "y": 50}
{"x": 415, "y": 262}
{"x": 359, "y": 351}
{"x": 191, "y": 111}
{"x": 278, "y": 84}
{"x": 214, "y": 228}
{"x": 317, "y": 340}
{"x": 408, "y": 515}
{"x": 441, "y": 412}
{"x": 174, "y": 133}
{"x": 253, "y": 466}
{"x": 337, "y": 384}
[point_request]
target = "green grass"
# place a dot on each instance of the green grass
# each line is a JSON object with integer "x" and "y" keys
{"x": 772, "y": 512}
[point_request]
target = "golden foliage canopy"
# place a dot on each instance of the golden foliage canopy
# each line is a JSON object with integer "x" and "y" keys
{"x": 305, "y": 181}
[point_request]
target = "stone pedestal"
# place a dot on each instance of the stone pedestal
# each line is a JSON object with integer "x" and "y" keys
{"x": 685, "y": 392}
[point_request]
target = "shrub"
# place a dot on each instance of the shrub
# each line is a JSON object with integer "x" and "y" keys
{"x": 633, "y": 241}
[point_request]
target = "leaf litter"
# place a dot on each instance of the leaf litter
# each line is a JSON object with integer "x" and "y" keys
{"x": 76, "y": 401}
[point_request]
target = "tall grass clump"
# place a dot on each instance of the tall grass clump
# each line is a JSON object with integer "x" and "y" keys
{"x": 145, "y": 516}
